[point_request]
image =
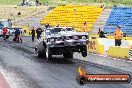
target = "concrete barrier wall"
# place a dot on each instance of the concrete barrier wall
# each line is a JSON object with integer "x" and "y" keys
{"x": 96, "y": 46}
{"x": 105, "y": 46}
{"x": 118, "y": 52}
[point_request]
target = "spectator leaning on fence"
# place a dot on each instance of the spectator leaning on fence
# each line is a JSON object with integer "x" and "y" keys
{"x": 101, "y": 33}
{"x": 118, "y": 34}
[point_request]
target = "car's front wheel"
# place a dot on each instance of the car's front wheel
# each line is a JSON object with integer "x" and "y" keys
{"x": 48, "y": 53}
{"x": 84, "y": 51}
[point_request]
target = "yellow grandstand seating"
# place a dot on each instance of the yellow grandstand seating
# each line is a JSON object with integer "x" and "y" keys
{"x": 66, "y": 16}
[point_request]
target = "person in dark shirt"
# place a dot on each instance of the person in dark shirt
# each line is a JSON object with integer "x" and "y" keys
{"x": 37, "y": 2}
{"x": 17, "y": 35}
{"x": 101, "y": 33}
{"x": 33, "y": 34}
{"x": 39, "y": 32}
{"x": 47, "y": 26}
{"x": 58, "y": 25}
{"x": 23, "y": 2}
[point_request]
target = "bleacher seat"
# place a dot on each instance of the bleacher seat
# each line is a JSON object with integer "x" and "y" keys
{"x": 119, "y": 16}
{"x": 66, "y": 16}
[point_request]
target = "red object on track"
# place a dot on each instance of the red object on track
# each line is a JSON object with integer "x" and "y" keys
{"x": 3, "y": 82}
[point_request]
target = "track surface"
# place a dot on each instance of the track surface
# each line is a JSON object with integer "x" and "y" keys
{"x": 25, "y": 70}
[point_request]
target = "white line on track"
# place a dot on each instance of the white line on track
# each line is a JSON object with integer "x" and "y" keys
{"x": 8, "y": 79}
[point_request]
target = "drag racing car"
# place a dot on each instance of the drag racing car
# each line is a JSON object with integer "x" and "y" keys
{"x": 61, "y": 41}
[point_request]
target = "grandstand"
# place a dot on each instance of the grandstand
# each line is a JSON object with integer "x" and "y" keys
{"x": 119, "y": 16}
{"x": 74, "y": 16}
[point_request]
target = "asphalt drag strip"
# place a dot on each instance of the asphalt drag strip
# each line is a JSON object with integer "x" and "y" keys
{"x": 27, "y": 71}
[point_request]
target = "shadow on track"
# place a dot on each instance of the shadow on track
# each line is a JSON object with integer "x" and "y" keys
{"x": 54, "y": 60}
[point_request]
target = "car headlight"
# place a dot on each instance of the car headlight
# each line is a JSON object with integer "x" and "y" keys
{"x": 83, "y": 37}
{"x": 58, "y": 39}
{"x": 67, "y": 38}
{"x": 52, "y": 40}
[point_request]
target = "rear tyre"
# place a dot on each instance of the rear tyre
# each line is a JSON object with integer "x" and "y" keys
{"x": 40, "y": 54}
{"x": 68, "y": 55}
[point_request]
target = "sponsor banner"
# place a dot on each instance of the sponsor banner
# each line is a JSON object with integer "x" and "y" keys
{"x": 84, "y": 78}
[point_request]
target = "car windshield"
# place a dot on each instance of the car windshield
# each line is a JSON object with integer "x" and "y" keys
{"x": 55, "y": 30}
{"x": 69, "y": 29}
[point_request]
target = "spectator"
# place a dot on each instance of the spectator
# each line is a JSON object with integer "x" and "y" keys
{"x": 84, "y": 27}
{"x": 33, "y": 34}
{"x": 58, "y": 25}
{"x": 10, "y": 22}
{"x": 102, "y": 6}
{"x": 23, "y": 2}
{"x": 47, "y": 4}
{"x": 0, "y": 20}
{"x": 47, "y": 26}
{"x": 101, "y": 33}
{"x": 39, "y": 32}
{"x": 27, "y": 2}
{"x": 17, "y": 35}
{"x": 19, "y": 13}
{"x": 118, "y": 34}
{"x": 4, "y": 32}
{"x": 37, "y": 2}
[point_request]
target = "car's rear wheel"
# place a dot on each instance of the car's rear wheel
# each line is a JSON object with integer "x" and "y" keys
{"x": 48, "y": 54}
{"x": 40, "y": 54}
{"x": 68, "y": 55}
